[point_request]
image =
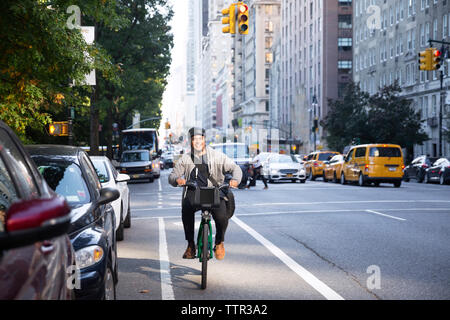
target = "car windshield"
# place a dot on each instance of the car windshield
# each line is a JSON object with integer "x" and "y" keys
{"x": 325, "y": 156}
{"x": 279, "y": 158}
{"x": 65, "y": 178}
{"x": 387, "y": 152}
{"x": 102, "y": 171}
{"x": 135, "y": 156}
{"x": 234, "y": 151}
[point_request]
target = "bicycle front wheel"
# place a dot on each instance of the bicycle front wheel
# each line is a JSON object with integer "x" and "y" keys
{"x": 205, "y": 254}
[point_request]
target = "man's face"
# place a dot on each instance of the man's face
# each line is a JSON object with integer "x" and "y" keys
{"x": 198, "y": 143}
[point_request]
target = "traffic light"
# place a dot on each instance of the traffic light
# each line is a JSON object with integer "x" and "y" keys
{"x": 229, "y": 19}
{"x": 426, "y": 60}
{"x": 315, "y": 127}
{"x": 242, "y": 18}
{"x": 60, "y": 129}
{"x": 436, "y": 60}
{"x": 167, "y": 125}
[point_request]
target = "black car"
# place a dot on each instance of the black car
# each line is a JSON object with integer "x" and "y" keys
{"x": 439, "y": 171}
{"x": 69, "y": 171}
{"x": 416, "y": 169}
{"x": 35, "y": 252}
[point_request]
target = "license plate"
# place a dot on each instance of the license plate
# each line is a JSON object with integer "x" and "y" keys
{"x": 289, "y": 175}
{"x": 135, "y": 176}
{"x": 392, "y": 169}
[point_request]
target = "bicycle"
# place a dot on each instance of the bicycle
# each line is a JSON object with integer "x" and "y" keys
{"x": 207, "y": 201}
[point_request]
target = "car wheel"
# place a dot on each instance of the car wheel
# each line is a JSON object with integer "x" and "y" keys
{"x": 127, "y": 222}
{"x": 120, "y": 231}
{"x": 361, "y": 181}
{"x": 311, "y": 176}
{"x": 303, "y": 181}
{"x": 397, "y": 184}
{"x": 109, "y": 285}
{"x": 294, "y": 181}
{"x": 343, "y": 179}
{"x": 324, "y": 178}
{"x": 441, "y": 179}
{"x": 406, "y": 178}
{"x": 152, "y": 179}
{"x": 335, "y": 180}
{"x": 426, "y": 179}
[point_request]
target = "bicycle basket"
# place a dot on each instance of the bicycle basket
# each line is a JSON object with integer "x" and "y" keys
{"x": 207, "y": 197}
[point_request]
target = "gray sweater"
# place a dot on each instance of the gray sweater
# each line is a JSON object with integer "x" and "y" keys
{"x": 218, "y": 165}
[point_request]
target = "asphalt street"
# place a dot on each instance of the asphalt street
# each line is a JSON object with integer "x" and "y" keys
{"x": 297, "y": 241}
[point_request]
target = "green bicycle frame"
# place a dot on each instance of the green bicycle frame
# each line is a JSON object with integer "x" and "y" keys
{"x": 200, "y": 241}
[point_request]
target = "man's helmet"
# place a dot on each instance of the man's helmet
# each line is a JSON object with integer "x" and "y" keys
{"x": 196, "y": 131}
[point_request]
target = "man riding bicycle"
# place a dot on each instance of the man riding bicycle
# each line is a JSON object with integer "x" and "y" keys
{"x": 205, "y": 167}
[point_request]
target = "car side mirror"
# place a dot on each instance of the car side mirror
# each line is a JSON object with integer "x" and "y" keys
{"x": 108, "y": 195}
{"x": 122, "y": 177}
{"x": 35, "y": 220}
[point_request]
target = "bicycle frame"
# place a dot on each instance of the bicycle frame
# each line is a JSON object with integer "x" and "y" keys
{"x": 206, "y": 222}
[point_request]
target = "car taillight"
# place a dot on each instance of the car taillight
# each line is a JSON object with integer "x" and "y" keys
{"x": 366, "y": 167}
{"x": 315, "y": 163}
{"x": 403, "y": 167}
{"x": 424, "y": 166}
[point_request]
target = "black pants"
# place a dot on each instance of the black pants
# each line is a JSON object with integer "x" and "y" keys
{"x": 256, "y": 174}
{"x": 219, "y": 215}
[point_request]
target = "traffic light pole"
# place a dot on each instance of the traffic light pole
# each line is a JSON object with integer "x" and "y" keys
{"x": 441, "y": 107}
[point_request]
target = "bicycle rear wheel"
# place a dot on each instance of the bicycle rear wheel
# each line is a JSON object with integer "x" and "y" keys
{"x": 205, "y": 254}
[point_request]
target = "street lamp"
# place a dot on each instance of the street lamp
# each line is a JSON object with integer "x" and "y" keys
{"x": 315, "y": 127}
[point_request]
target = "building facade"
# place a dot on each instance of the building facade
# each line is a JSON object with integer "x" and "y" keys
{"x": 388, "y": 38}
{"x": 316, "y": 64}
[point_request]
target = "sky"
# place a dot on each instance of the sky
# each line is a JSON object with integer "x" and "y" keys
{"x": 179, "y": 30}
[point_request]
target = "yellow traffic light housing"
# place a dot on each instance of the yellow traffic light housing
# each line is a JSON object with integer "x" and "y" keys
{"x": 60, "y": 129}
{"x": 167, "y": 125}
{"x": 229, "y": 19}
{"x": 436, "y": 59}
{"x": 426, "y": 60}
{"x": 243, "y": 18}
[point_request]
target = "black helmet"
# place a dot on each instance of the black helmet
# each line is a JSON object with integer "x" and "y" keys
{"x": 196, "y": 131}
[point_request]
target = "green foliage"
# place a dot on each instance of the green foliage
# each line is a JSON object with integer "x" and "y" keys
{"x": 385, "y": 117}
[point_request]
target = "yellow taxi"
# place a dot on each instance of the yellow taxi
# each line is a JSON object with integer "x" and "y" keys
{"x": 314, "y": 163}
{"x": 333, "y": 168}
{"x": 373, "y": 163}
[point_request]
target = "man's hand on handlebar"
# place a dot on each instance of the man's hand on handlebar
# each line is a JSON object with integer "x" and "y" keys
{"x": 181, "y": 182}
{"x": 234, "y": 184}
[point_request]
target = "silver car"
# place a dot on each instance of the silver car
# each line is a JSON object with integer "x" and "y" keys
{"x": 137, "y": 164}
{"x": 281, "y": 167}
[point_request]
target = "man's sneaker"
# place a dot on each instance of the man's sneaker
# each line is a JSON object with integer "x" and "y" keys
{"x": 219, "y": 251}
{"x": 189, "y": 253}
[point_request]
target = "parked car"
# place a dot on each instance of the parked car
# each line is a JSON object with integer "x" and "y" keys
{"x": 110, "y": 178}
{"x": 439, "y": 172}
{"x": 416, "y": 169}
{"x": 281, "y": 167}
{"x": 35, "y": 251}
{"x": 333, "y": 168}
{"x": 314, "y": 164}
{"x": 240, "y": 154}
{"x": 69, "y": 171}
{"x": 137, "y": 164}
{"x": 373, "y": 163}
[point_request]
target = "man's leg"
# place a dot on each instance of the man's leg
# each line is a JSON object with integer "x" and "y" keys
{"x": 220, "y": 217}
{"x": 188, "y": 217}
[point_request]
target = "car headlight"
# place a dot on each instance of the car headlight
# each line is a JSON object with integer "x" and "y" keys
{"x": 88, "y": 256}
{"x": 273, "y": 171}
{"x": 302, "y": 171}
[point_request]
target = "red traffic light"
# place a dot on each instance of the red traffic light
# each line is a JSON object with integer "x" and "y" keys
{"x": 437, "y": 53}
{"x": 243, "y": 8}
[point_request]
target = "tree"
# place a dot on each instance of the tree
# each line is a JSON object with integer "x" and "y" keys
{"x": 383, "y": 117}
{"x": 41, "y": 56}
{"x": 143, "y": 52}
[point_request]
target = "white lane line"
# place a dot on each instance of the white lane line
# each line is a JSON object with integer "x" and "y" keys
{"x": 385, "y": 215}
{"x": 160, "y": 185}
{"x": 321, "y": 287}
{"x": 166, "y": 280}
{"x": 345, "y": 202}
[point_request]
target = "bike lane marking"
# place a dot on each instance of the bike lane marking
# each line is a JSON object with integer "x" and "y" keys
{"x": 314, "y": 282}
{"x": 166, "y": 279}
{"x": 385, "y": 215}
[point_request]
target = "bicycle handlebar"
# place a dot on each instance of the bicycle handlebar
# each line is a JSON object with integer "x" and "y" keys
{"x": 194, "y": 185}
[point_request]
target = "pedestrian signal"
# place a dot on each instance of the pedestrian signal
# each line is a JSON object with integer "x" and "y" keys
{"x": 60, "y": 129}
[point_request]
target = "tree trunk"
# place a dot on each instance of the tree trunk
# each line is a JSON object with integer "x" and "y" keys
{"x": 108, "y": 133}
